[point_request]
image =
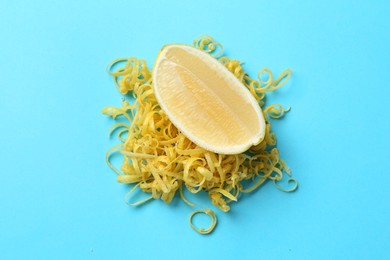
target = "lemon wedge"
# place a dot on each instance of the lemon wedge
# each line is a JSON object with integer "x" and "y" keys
{"x": 205, "y": 101}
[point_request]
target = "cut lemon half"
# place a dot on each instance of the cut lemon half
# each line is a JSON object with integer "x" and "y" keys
{"x": 205, "y": 101}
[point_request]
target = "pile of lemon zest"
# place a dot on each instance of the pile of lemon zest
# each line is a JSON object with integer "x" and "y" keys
{"x": 203, "y": 231}
{"x": 160, "y": 160}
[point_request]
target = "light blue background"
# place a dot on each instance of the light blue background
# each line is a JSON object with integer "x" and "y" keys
{"x": 58, "y": 198}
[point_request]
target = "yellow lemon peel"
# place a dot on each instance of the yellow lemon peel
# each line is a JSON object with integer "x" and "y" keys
{"x": 201, "y": 230}
{"x": 160, "y": 160}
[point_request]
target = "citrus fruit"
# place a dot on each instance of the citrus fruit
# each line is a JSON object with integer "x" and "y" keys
{"x": 205, "y": 101}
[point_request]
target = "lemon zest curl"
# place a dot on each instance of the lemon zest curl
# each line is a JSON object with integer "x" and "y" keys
{"x": 201, "y": 230}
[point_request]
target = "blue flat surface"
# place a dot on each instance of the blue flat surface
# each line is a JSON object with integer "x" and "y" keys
{"x": 58, "y": 198}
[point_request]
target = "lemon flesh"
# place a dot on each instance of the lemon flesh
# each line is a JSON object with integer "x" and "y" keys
{"x": 205, "y": 101}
